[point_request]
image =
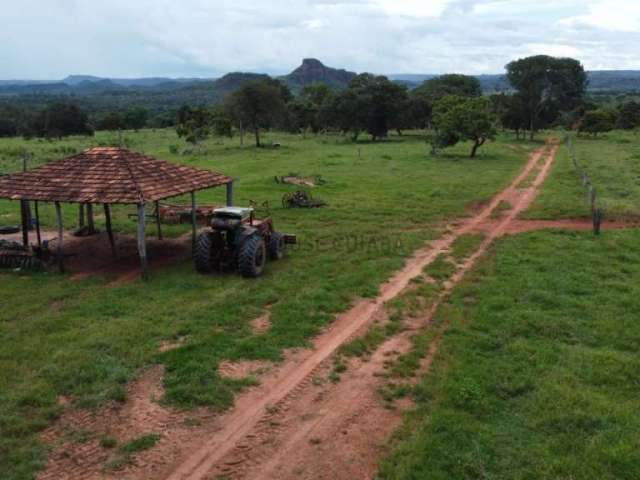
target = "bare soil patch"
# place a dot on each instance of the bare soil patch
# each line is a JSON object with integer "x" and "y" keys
{"x": 92, "y": 256}
{"x": 262, "y": 324}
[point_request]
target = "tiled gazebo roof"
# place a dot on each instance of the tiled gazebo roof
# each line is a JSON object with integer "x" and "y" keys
{"x": 107, "y": 175}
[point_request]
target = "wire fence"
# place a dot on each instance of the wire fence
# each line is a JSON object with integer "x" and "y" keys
{"x": 597, "y": 212}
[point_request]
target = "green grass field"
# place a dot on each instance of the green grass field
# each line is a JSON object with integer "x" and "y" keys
{"x": 613, "y": 163}
{"x": 86, "y": 341}
{"x": 537, "y": 372}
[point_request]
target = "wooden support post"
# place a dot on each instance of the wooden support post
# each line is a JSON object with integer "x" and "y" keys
{"x": 158, "y": 220}
{"x": 25, "y": 225}
{"x": 142, "y": 242}
{"x": 25, "y": 203}
{"x": 60, "y": 237}
{"x": 230, "y": 194}
{"x": 194, "y": 220}
{"x": 81, "y": 215}
{"x": 38, "y": 236}
{"x": 112, "y": 242}
{"x": 90, "y": 221}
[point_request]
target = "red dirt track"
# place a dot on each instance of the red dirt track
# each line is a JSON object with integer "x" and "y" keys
{"x": 296, "y": 424}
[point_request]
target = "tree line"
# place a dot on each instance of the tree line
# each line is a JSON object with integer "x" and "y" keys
{"x": 546, "y": 92}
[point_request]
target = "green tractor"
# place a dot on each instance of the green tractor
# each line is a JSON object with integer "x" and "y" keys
{"x": 238, "y": 241}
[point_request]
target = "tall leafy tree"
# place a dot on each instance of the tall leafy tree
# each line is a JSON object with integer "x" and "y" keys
{"x": 437, "y": 88}
{"x": 419, "y": 110}
{"x": 221, "y": 122}
{"x": 456, "y": 118}
{"x": 629, "y": 115}
{"x": 305, "y": 112}
{"x": 346, "y": 111}
{"x": 380, "y": 101}
{"x": 62, "y": 119}
{"x": 512, "y": 114}
{"x": 546, "y": 86}
{"x": 111, "y": 121}
{"x": 256, "y": 105}
{"x": 135, "y": 118}
{"x": 597, "y": 121}
{"x": 194, "y": 124}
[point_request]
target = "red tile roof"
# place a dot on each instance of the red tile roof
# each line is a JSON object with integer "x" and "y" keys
{"x": 107, "y": 175}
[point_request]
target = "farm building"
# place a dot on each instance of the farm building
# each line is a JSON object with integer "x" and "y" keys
{"x": 108, "y": 176}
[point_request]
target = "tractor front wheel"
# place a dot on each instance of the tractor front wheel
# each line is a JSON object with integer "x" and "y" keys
{"x": 252, "y": 257}
{"x": 202, "y": 256}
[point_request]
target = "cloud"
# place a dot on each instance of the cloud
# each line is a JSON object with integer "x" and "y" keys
{"x": 52, "y": 38}
{"x": 620, "y": 16}
{"x": 553, "y": 49}
{"x": 412, "y": 8}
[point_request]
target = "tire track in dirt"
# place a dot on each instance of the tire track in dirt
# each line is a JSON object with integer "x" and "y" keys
{"x": 256, "y": 420}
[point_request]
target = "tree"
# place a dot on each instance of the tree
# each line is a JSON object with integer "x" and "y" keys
{"x": 419, "y": 110}
{"x": 547, "y": 86}
{"x": 305, "y": 112}
{"x": 10, "y": 121}
{"x": 194, "y": 124}
{"x": 256, "y": 105}
{"x": 437, "y": 88}
{"x": 513, "y": 114}
{"x": 221, "y": 122}
{"x": 374, "y": 104}
{"x": 346, "y": 112}
{"x": 629, "y": 115}
{"x": 316, "y": 93}
{"x": 111, "y": 121}
{"x": 456, "y": 118}
{"x": 62, "y": 119}
{"x": 598, "y": 121}
{"x": 135, "y": 118}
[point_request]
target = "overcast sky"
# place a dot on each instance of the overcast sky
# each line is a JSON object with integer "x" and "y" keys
{"x": 49, "y": 39}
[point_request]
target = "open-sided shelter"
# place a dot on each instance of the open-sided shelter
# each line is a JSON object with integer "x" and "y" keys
{"x": 109, "y": 176}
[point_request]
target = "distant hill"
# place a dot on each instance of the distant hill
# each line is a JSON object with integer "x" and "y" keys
{"x": 314, "y": 71}
{"x": 74, "y": 80}
{"x": 160, "y": 95}
{"x": 614, "y": 80}
{"x": 310, "y": 71}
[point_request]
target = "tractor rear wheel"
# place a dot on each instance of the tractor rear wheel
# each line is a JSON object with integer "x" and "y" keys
{"x": 252, "y": 257}
{"x": 276, "y": 246}
{"x": 202, "y": 255}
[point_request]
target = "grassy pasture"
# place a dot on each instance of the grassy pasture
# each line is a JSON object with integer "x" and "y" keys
{"x": 613, "y": 163}
{"x": 537, "y": 373}
{"x": 85, "y": 341}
